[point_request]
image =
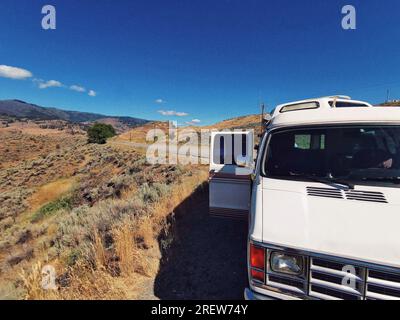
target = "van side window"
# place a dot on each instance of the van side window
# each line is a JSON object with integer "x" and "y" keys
{"x": 221, "y": 150}
{"x": 342, "y": 104}
{"x": 309, "y": 142}
{"x": 302, "y": 141}
{"x": 244, "y": 145}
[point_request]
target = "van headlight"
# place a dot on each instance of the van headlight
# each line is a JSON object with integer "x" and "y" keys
{"x": 287, "y": 263}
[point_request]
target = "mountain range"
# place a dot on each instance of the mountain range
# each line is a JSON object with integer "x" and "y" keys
{"x": 24, "y": 110}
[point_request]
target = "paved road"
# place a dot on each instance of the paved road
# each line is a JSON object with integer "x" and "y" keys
{"x": 206, "y": 259}
{"x": 203, "y": 150}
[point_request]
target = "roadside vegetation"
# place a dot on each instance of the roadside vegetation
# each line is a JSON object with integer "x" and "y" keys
{"x": 52, "y": 208}
{"x": 100, "y": 132}
{"x": 92, "y": 211}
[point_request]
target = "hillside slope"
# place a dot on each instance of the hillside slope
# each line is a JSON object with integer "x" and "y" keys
{"x": 244, "y": 122}
{"x": 138, "y": 134}
{"x": 391, "y": 104}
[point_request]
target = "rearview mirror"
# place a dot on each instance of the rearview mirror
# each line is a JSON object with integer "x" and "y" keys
{"x": 267, "y": 117}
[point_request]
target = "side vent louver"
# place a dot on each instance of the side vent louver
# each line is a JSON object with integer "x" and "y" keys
{"x": 355, "y": 195}
{"x": 325, "y": 192}
{"x": 366, "y": 196}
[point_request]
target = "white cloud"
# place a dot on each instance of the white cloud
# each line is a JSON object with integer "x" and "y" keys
{"x": 173, "y": 113}
{"x": 160, "y": 101}
{"x": 14, "y": 73}
{"x": 193, "y": 122}
{"x": 50, "y": 84}
{"x": 181, "y": 114}
{"x": 22, "y": 74}
{"x": 77, "y": 88}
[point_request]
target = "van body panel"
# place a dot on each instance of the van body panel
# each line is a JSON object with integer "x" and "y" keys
{"x": 360, "y": 230}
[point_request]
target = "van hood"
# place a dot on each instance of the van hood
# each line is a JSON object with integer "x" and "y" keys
{"x": 363, "y": 225}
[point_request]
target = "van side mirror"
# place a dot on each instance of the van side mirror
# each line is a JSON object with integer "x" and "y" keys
{"x": 257, "y": 147}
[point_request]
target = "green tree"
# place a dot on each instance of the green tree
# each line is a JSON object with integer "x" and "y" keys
{"x": 100, "y": 132}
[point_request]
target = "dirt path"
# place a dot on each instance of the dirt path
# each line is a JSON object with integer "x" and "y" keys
{"x": 206, "y": 258}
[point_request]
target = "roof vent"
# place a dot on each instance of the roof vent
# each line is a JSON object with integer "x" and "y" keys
{"x": 300, "y": 106}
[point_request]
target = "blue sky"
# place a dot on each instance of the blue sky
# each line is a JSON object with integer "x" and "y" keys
{"x": 210, "y": 59}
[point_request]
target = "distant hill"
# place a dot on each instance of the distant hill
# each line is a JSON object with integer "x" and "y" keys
{"x": 23, "y": 110}
{"x": 244, "y": 122}
{"x": 391, "y": 104}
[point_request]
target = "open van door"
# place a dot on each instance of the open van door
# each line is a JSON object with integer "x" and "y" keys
{"x": 231, "y": 167}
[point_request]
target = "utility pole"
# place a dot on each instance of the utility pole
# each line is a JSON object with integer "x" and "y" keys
{"x": 387, "y": 95}
{"x": 262, "y": 117}
{"x": 262, "y": 112}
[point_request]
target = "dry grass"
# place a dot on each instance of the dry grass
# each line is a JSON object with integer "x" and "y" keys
{"x": 99, "y": 253}
{"x": 87, "y": 284}
{"x": 138, "y": 135}
{"x": 104, "y": 243}
{"x": 134, "y": 256}
{"x": 126, "y": 249}
{"x": 50, "y": 192}
{"x": 245, "y": 122}
{"x": 27, "y": 142}
{"x": 33, "y": 283}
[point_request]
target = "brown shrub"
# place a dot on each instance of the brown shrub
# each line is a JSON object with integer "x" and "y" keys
{"x": 18, "y": 258}
{"x": 24, "y": 236}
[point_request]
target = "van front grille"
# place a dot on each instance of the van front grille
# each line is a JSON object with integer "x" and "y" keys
{"x": 383, "y": 285}
{"x": 329, "y": 294}
{"x": 331, "y": 280}
{"x": 287, "y": 283}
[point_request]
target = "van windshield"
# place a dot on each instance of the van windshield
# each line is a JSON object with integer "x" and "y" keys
{"x": 366, "y": 154}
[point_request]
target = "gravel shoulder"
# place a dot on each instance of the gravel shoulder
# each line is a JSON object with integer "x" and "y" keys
{"x": 203, "y": 258}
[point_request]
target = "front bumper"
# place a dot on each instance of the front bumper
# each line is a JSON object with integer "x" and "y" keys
{"x": 266, "y": 295}
{"x": 250, "y": 295}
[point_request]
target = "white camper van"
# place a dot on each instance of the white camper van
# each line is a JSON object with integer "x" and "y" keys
{"x": 322, "y": 199}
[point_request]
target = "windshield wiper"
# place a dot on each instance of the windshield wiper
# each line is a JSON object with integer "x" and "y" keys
{"x": 327, "y": 180}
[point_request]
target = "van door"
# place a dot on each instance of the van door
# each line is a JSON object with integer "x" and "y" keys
{"x": 231, "y": 167}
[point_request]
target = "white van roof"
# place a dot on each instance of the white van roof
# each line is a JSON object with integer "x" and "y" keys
{"x": 332, "y": 110}
{"x": 319, "y": 103}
